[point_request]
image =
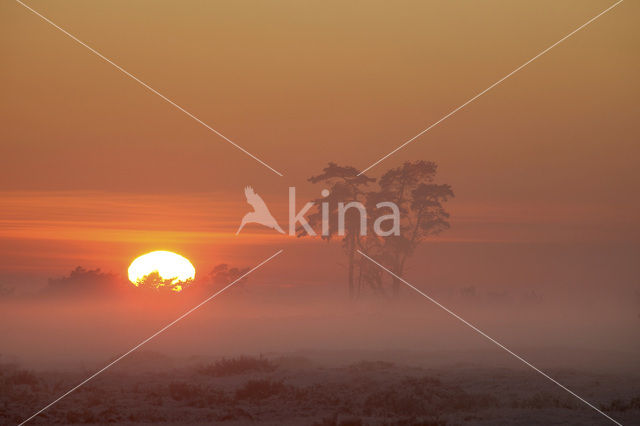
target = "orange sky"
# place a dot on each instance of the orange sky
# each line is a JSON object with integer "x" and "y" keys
{"x": 95, "y": 166}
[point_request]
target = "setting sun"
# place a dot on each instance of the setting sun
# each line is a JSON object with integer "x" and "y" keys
{"x": 161, "y": 269}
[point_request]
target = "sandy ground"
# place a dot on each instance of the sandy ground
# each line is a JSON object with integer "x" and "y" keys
{"x": 150, "y": 388}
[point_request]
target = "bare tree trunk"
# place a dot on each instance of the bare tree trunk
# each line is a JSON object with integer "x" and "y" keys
{"x": 396, "y": 287}
{"x": 351, "y": 249}
{"x": 397, "y": 269}
{"x": 351, "y": 266}
{"x": 359, "y": 280}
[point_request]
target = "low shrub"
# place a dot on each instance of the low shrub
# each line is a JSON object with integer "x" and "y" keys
{"x": 184, "y": 391}
{"x": 238, "y": 365}
{"x": 22, "y": 377}
{"x": 620, "y": 405}
{"x": 260, "y": 389}
{"x": 369, "y": 366}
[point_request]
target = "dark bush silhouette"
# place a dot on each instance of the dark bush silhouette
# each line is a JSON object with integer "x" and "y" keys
{"x": 22, "y": 377}
{"x": 546, "y": 400}
{"x": 223, "y": 274}
{"x": 196, "y": 395}
{"x": 424, "y": 396}
{"x": 239, "y": 365}
{"x": 154, "y": 281}
{"x": 260, "y": 389}
{"x": 369, "y": 366}
{"x": 621, "y": 405}
{"x": 181, "y": 391}
{"x": 81, "y": 282}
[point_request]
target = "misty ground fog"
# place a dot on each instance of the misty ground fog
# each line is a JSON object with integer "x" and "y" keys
{"x": 571, "y": 310}
{"x": 299, "y": 305}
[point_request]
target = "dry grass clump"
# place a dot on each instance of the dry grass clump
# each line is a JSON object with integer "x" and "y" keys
{"x": 621, "y": 405}
{"x": 238, "y": 365}
{"x": 195, "y": 395}
{"x": 260, "y": 389}
{"x": 423, "y": 396}
{"x": 369, "y": 366}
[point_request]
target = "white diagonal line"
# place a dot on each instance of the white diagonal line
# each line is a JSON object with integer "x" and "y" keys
{"x": 467, "y": 323}
{"x": 492, "y": 86}
{"x": 150, "y": 337}
{"x": 151, "y": 89}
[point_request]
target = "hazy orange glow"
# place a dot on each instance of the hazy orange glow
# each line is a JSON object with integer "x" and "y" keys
{"x": 172, "y": 269}
{"x": 138, "y": 173}
{"x": 121, "y": 174}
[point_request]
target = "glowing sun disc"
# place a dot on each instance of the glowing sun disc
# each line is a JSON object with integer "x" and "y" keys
{"x": 168, "y": 265}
